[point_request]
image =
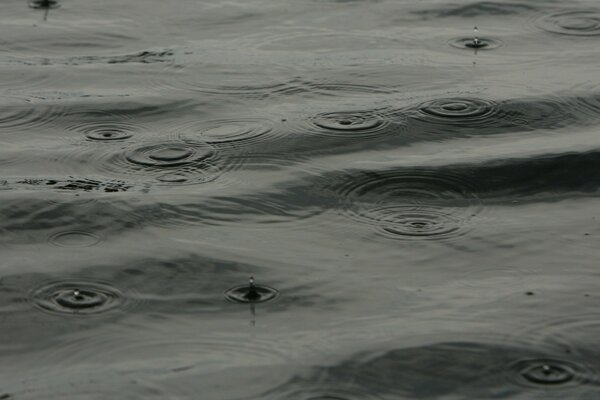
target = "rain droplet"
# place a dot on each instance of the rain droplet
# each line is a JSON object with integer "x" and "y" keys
{"x": 251, "y": 293}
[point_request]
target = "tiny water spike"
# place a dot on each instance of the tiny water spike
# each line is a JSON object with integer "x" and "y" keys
{"x": 475, "y": 38}
{"x": 546, "y": 369}
{"x": 252, "y": 294}
{"x": 76, "y": 293}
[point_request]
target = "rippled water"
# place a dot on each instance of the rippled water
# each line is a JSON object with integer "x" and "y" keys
{"x": 309, "y": 200}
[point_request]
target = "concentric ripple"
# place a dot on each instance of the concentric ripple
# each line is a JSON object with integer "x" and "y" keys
{"x": 458, "y": 110}
{"x": 232, "y": 131}
{"x": 106, "y": 131}
{"x": 481, "y": 44}
{"x": 74, "y": 239}
{"x": 169, "y": 163}
{"x": 19, "y": 113}
{"x": 355, "y": 125}
{"x": 412, "y": 205}
{"x": 462, "y": 113}
{"x": 575, "y": 23}
{"x": 349, "y": 123}
{"x": 549, "y": 373}
{"x": 251, "y": 294}
{"x": 77, "y": 297}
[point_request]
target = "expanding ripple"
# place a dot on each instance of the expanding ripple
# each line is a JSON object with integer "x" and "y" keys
{"x": 247, "y": 80}
{"x": 353, "y": 124}
{"x": 251, "y": 293}
{"x": 411, "y": 204}
{"x": 77, "y": 297}
{"x": 168, "y": 162}
{"x": 482, "y": 44}
{"x": 19, "y": 113}
{"x": 74, "y": 239}
{"x": 459, "y": 111}
{"x": 452, "y": 370}
{"x": 549, "y": 373}
{"x": 106, "y": 131}
{"x": 574, "y": 23}
{"x": 234, "y": 131}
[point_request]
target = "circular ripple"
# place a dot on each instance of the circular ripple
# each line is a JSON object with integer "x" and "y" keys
{"x": 169, "y": 163}
{"x": 229, "y": 77}
{"x": 106, "y": 131}
{"x": 74, "y": 239}
{"x": 459, "y": 111}
{"x": 18, "y": 113}
{"x": 168, "y": 155}
{"x": 353, "y": 124}
{"x": 482, "y": 44}
{"x": 549, "y": 373}
{"x": 576, "y": 23}
{"x": 229, "y": 131}
{"x": 415, "y": 205}
{"x": 77, "y": 297}
{"x": 258, "y": 294}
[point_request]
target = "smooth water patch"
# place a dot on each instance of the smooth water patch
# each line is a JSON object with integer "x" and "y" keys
{"x": 572, "y": 23}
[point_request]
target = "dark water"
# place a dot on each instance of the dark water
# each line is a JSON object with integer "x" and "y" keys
{"x": 417, "y": 201}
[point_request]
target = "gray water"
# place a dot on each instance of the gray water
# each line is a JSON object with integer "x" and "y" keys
{"x": 419, "y": 208}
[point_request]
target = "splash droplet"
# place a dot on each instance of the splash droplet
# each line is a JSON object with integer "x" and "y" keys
{"x": 251, "y": 293}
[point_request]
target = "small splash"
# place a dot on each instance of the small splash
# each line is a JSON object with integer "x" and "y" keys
{"x": 106, "y": 131}
{"x": 251, "y": 293}
{"x": 574, "y": 23}
{"x": 475, "y": 42}
{"x": 44, "y": 4}
{"x": 548, "y": 373}
{"x": 74, "y": 239}
{"x": 77, "y": 297}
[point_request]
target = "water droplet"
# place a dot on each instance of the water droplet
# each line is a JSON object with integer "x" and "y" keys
{"x": 475, "y": 42}
{"x": 550, "y": 373}
{"x": 77, "y": 297}
{"x": 251, "y": 293}
{"x": 44, "y": 4}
